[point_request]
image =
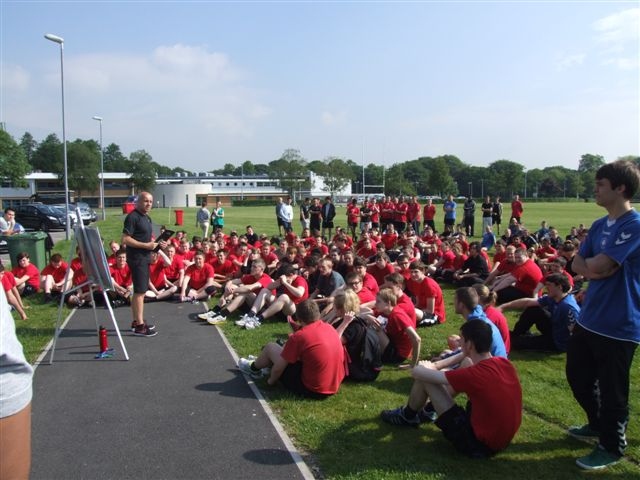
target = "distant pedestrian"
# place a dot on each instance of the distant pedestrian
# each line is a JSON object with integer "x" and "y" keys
{"x": 305, "y": 214}
{"x": 487, "y": 213}
{"x": 469, "y": 209}
{"x": 217, "y": 217}
{"x": 328, "y": 214}
{"x": 517, "y": 209}
{"x": 496, "y": 215}
{"x": 202, "y": 219}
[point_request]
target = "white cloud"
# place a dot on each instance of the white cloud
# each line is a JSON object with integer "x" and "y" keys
{"x": 333, "y": 119}
{"x": 565, "y": 62}
{"x": 619, "y": 28}
{"x": 14, "y": 78}
{"x": 623, "y": 63}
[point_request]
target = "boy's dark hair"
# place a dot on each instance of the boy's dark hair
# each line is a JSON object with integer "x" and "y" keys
{"x": 468, "y": 297}
{"x": 417, "y": 265}
{"x": 22, "y": 255}
{"x": 56, "y": 257}
{"x": 395, "y": 279}
{"x": 560, "y": 280}
{"x": 359, "y": 262}
{"x": 479, "y": 333}
{"x": 621, "y": 172}
{"x": 312, "y": 261}
{"x": 307, "y": 312}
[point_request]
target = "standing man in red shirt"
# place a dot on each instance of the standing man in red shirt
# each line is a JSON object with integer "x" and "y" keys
{"x": 413, "y": 213}
{"x": 517, "y": 209}
{"x": 429, "y": 213}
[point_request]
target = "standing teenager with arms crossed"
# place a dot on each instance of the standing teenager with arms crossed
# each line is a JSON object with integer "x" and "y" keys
{"x": 607, "y": 332}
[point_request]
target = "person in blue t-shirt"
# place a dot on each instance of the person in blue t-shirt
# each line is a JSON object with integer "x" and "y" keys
{"x": 554, "y": 315}
{"x": 449, "y": 208}
{"x": 607, "y": 333}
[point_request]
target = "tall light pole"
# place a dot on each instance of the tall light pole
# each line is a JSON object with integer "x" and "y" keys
{"x": 60, "y": 41}
{"x": 471, "y": 189}
{"x": 104, "y": 211}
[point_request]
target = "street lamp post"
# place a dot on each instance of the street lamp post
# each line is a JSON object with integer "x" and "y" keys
{"x": 104, "y": 211}
{"x": 60, "y": 41}
{"x": 471, "y": 189}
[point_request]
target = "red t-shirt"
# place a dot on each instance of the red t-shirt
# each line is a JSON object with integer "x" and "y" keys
{"x": 370, "y": 283}
{"x": 400, "y": 213}
{"x": 449, "y": 260}
{"x": 8, "y": 281}
{"x": 405, "y": 303}
{"x": 79, "y": 276}
{"x": 264, "y": 280}
{"x": 500, "y": 321}
{"x": 365, "y": 295}
{"x": 157, "y": 274}
{"x": 496, "y": 412}
{"x": 379, "y": 273}
{"x": 429, "y": 211}
{"x": 413, "y": 212}
{"x": 299, "y": 281}
{"x": 527, "y": 276}
{"x": 198, "y": 276}
{"x": 375, "y": 212}
{"x": 227, "y": 268}
{"x": 318, "y": 347}
{"x": 32, "y": 271}
{"x": 423, "y": 291}
{"x": 122, "y": 276}
{"x": 57, "y": 273}
{"x": 173, "y": 271}
{"x": 399, "y": 321}
{"x": 516, "y": 208}
{"x": 353, "y": 214}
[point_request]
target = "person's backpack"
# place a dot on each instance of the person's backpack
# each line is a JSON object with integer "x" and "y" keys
{"x": 364, "y": 356}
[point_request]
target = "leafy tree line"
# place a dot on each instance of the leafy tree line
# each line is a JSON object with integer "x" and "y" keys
{"x": 439, "y": 175}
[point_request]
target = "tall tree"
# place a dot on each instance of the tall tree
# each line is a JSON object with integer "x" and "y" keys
{"x": 291, "y": 170}
{"x": 13, "y": 162}
{"x": 48, "y": 155}
{"x": 440, "y": 180}
{"x": 587, "y": 168}
{"x": 83, "y": 166}
{"x": 29, "y": 146}
{"x": 507, "y": 177}
{"x": 143, "y": 175}
{"x": 114, "y": 160}
{"x": 337, "y": 174}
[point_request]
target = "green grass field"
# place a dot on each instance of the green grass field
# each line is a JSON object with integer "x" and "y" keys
{"x": 343, "y": 438}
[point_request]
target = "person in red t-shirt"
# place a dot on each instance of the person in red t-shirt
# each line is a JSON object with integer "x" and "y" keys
{"x": 52, "y": 278}
{"x": 521, "y": 282}
{"x": 399, "y": 340}
{"x": 381, "y": 268}
{"x": 27, "y": 275}
{"x": 396, "y": 282}
{"x": 413, "y": 213}
{"x": 429, "y": 213}
{"x": 290, "y": 290}
{"x": 353, "y": 216}
{"x": 429, "y": 301}
{"x": 175, "y": 271}
{"x": 13, "y": 295}
{"x": 517, "y": 209}
{"x": 239, "y": 291}
{"x": 368, "y": 281}
{"x": 488, "y": 299}
{"x": 223, "y": 268}
{"x": 198, "y": 280}
{"x": 160, "y": 288}
{"x": 121, "y": 279}
{"x": 493, "y": 415}
{"x": 374, "y": 206}
{"x": 310, "y": 364}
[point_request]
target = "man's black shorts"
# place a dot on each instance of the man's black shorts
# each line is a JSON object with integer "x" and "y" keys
{"x": 291, "y": 378}
{"x": 455, "y": 424}
{"x": 139, "y": 276}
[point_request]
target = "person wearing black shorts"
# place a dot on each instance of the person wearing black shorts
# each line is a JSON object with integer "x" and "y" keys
{"x": 137, "y": 238}
{"x": 493, "y": 415}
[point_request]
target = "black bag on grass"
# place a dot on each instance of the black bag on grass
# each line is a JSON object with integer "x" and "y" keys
{"x": 362, "y": 349}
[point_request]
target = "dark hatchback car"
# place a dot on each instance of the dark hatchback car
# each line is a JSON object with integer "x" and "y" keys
{"x": 38, "y": 216}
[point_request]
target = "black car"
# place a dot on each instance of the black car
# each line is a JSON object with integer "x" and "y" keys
{"x": 38, "y": 216}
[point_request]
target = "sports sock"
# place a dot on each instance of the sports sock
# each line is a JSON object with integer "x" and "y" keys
{"x": 216, "y": 309}
{"x": 253, "y": 367}
{"x": 409, "y": 413}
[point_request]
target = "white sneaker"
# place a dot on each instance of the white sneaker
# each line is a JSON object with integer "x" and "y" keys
{"x": 207, "y": 315}
{"x": 252, "y": 323}
{"x": 218, "y": 319}
{"x": 243, "y": 319}
{"x": 244, "y": 365}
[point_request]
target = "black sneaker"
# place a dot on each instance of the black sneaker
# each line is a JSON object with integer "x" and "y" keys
{"x": 149, "y": 326}
{"x": 396, "y": 417}
{"x": 427, "y": 414}
{"x": 143, "y": 331}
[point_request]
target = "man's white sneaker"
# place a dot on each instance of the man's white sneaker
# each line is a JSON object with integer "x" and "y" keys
{"x": 207, "y": 315}
{"x": 243, "y": 319}
{"x": 252, "y": 324}
{"x": 244, "y": 365}
{"x": 218, "y": 319}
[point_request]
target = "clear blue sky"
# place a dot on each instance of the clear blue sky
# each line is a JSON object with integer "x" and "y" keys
{"x": 201, "y": 84}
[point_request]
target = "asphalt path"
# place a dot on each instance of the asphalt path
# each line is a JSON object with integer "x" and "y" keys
{"x": 178, "y": 409}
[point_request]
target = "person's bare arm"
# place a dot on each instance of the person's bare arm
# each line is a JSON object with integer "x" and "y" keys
{"x": 594, "y": 268}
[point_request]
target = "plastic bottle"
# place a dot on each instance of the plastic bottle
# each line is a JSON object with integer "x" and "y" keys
{"x": 104, "y": 341}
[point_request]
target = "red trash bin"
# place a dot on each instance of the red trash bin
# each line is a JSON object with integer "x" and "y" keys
{"x": 179, "y": 217}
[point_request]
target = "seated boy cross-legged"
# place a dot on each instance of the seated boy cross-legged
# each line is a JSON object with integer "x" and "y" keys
{"x": 311, "y": 363}
{"x": 494, "y": 409}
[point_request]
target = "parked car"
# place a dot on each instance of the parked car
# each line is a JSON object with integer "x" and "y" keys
{"x": 37, "y": 216}
{"x": 88, "y": 214}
